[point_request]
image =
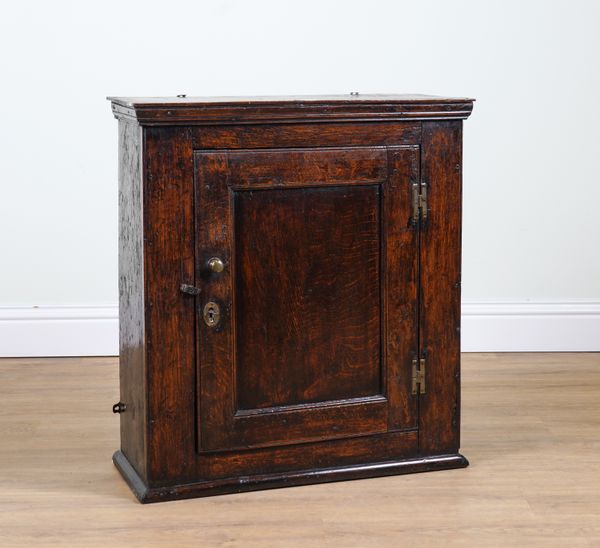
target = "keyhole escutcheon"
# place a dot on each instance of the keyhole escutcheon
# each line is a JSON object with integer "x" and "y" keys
{"x": 211, "y": 314}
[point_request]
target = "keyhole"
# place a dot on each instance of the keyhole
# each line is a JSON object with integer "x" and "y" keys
{"x": 211, "y": 313}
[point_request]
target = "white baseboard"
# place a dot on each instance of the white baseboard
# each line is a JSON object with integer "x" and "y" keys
{"x": 59, "y": 331}
{"x": 486, "y": 327}
{"x": 560, "y": 326}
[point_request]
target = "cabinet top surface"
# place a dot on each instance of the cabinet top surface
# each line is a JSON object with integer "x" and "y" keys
{"x": 184, "y": 110}
{"x": 136, "y": 102}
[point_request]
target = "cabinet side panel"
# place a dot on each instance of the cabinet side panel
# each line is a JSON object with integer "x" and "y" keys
{"x": 440, "y": 288}
{"x": 170, "y": 315}
{"x": 131, "y": 298}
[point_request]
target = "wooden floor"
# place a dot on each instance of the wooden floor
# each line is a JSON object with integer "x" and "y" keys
{"x": 531, "y": 428}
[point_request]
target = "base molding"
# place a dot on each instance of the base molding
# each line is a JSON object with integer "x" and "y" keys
{"x": 40, "y": 331}
{"x": 224, "y": 486}
{"x": 557, "y": 326}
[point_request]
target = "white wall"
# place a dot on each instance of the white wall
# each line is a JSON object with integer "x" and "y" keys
{"x": 532, "y": 145}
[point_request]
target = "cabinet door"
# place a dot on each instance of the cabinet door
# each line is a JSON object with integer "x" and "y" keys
{"x": 308, "y": 330}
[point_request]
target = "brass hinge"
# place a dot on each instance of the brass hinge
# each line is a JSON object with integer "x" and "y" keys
{"x": 419, "y": 202}
{"x": 418, "y": 376}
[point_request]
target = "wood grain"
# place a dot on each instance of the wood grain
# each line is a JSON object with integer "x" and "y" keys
{"x": 151, "y": 111}
{"x": 308, "y": 295}
{"x": 440, "y": 254}
{"x": 169, "y": 315}
{"x": 401, "y": 281}
{"x": 305, "y": 281}
{"x": 260, "y": 136}
{"x": 215, "y": 401}
{"x": 131, "y": 298}
{"x": 306, "y": 167}
{"x": 531, "y": 427}
{"x": 330, "y": 289}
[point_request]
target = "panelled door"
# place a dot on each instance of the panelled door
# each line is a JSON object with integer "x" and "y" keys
{"x": 307, "y": 323}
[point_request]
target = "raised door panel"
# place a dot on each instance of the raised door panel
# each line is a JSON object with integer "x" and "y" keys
{"x": 308, "y": 295}
{"x": 317, "y": 300}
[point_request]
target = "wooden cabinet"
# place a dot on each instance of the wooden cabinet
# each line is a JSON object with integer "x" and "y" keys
{"x": 289, "y": 290}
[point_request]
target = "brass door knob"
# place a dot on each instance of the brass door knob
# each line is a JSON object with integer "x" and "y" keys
{"x": 215, "y": 264}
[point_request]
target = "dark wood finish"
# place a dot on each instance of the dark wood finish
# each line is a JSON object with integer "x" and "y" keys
{"x": 289, "y": 479}
{"x": 308, "y": 314}
{"x": 440, "y": 255}
{"x": 306, "y": 283}
{"x": 131, "y": 298}
{"x": 330, "y": 290}
{"x": 256, "y": 136}
{"x": 243, "y": 110}
{"x": 306, "y": 167}
{"x": 401, "y": 275}
{"x": 169, "y": 315}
